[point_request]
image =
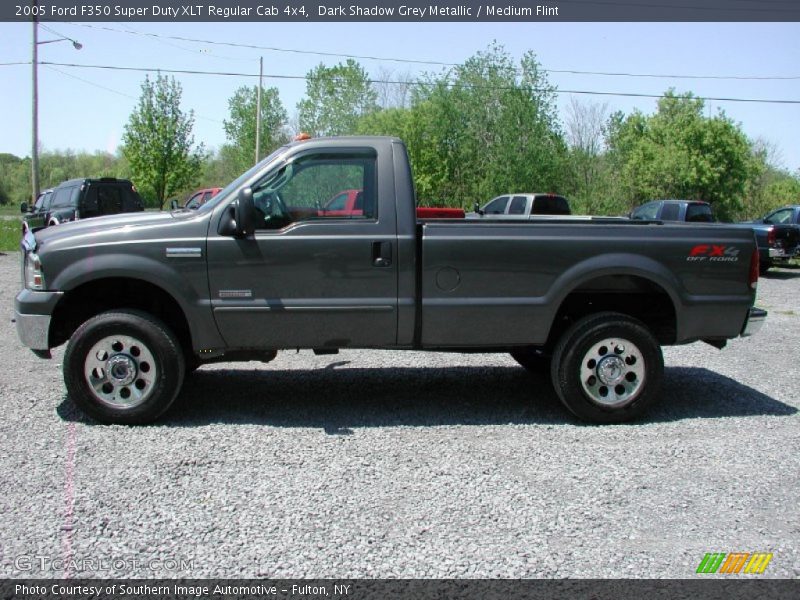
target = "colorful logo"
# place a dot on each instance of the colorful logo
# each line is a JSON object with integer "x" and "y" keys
{"x": 735, "y": 562}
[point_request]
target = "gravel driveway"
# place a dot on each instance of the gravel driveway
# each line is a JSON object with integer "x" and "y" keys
{"x": 405, "y": 464}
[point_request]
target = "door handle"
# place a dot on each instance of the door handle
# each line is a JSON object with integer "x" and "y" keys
{"x": 381, "y": 254}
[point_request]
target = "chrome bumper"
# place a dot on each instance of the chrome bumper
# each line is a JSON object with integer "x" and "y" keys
{"x": 755, "y": 319}
{"x": 33, "y": 330}
{"x": 780, "y": 253}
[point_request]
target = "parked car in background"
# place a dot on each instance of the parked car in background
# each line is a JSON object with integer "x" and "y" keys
{"x": 781, "y": 229}
{"x": 347, "y": 203}
{"x": 788, "y": 215}
{"x": 776, "y": 242}
{"x": 523, "y": 206}
{"x": 688, "y": 211}
{"x": 40, "y": 207}
{"x": 81, "y": 199}
{"x": 200, "y": 197}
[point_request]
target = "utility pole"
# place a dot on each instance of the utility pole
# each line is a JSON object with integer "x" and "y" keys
{"x": 258, "y": 108}
{"x": 35, "y": 107}
{"x": 35, "y": 95}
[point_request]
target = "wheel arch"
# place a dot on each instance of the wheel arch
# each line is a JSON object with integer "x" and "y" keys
{"x": 628, "y": 284}
{"x": 95, "y": 296}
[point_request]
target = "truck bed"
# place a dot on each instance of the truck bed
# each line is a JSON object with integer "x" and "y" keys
{"x": 504, "y": 283}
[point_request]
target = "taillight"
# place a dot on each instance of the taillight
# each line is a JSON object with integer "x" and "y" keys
{"x": 754, "y": 268}
{"x": 771, "y": 236}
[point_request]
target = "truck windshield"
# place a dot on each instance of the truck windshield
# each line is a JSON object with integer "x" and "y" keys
{"x": 236, "y": 183}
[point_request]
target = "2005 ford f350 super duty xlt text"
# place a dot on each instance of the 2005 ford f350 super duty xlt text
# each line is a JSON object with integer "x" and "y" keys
{"x": 144, "y": 298}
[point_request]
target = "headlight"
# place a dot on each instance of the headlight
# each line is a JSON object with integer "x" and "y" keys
{"x": 34, "y": 278}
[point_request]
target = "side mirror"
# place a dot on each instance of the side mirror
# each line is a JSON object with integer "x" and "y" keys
{"x": 245, "y": 213}
{"x": 23, "y": 207}
{"x": 477, "y": 209}
{"x": 173, "y": 204}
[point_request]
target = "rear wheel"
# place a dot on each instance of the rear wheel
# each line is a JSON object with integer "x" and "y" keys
{"x": 123, "y": 367}
{"x": 607, "y": 368}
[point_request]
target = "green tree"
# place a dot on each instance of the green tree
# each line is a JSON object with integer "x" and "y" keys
{"x": 679, "y": 153}
{"x": 336, "y": 97}
{"x": 483, "y": 128}
{"x": 240, "y": 127}
{"x": 15, "y": 179}
{"x": 158, "y": 141}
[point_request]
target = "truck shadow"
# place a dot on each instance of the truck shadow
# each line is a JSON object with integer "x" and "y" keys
{"x": 339, "y": 400}
{"x": 782, "y": 274}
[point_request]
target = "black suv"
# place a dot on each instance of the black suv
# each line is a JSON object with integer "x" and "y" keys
{"x": 81, "y": 199}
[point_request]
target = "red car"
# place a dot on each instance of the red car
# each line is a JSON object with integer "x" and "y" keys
{"x": 200, "y": 197}
{"x": 350, "y": 203}
{"x": 347, "y": 203}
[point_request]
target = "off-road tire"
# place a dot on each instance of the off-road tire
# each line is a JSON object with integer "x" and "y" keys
{"x": 597, "y": 350}
{"x": 93, "y": 353}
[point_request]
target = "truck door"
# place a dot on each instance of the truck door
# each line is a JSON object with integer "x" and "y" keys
{"x": 308, "y": 278}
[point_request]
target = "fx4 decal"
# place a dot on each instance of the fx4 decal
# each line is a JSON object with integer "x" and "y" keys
{"x": 713, "y": 253}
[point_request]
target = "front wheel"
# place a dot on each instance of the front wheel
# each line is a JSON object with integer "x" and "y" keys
{"x": 607, "y": 368}
{"x": 123, "y": 367}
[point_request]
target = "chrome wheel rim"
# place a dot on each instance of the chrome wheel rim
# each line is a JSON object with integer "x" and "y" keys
{"x": 613, "y": 372}
{"x": 121, "y": 371}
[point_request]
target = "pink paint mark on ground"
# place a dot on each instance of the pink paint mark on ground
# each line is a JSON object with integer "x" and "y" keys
{"x": 69, "y": 500}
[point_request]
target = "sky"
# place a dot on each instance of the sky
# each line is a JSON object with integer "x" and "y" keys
{"x": 86, "y": 109}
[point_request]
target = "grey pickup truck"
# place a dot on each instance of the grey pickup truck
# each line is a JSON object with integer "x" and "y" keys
{"x": 143, "y": 299}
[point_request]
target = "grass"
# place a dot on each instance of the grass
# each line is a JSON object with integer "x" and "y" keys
{"x": 9, "y": 210}
{"x": 10, "y": 233}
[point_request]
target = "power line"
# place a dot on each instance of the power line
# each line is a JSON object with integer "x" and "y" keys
{"x": 305, "y": 77}
{"x": 86, "y": 81}
{"x": 269, "y": 48}
{"x": 437, "y": 63}
{"x": 132, "y": 31}
{"x": 666, "y": 76}
{"x": 113, "y": 91}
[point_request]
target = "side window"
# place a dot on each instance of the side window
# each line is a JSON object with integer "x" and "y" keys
{"x": 496, "y": 206}
{"x": 646, "y": 212}
{"x": 194, "y": 201}
{"x": 517, "y": 205}
{"x": 671, "y": 212}
{"x": 206, "y": 197}
{"x": 338, "y": 202}
{"x": 699, "y": 213}
{"x": 43, "y": 202}
{"x": 304, "y": 189}
{"x": 61, "y": 197}
{"x": 780, "y": 216}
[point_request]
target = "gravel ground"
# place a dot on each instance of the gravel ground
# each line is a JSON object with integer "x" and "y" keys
{"x": 404, "y": 464}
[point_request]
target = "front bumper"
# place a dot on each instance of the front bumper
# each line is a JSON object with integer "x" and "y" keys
{"x": 755, "y": 320}
{"x": 33, "y": 330}
{"x": 32, "y": 315}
